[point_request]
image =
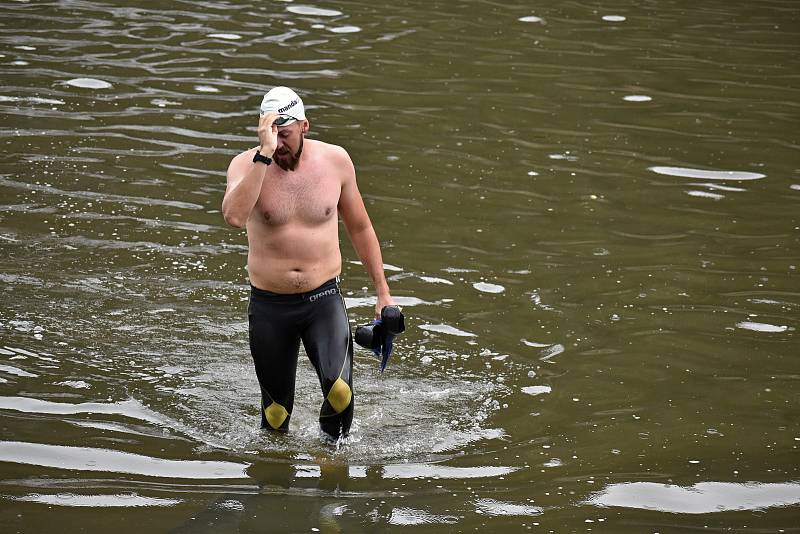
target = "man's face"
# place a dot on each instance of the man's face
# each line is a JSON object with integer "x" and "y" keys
{"x": 290, "y": 145}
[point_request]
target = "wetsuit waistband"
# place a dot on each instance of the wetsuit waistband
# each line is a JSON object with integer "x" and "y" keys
{"x": 331, "y": 287}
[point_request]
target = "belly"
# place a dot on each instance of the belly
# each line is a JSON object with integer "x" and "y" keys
{"x": 293, "y": 258}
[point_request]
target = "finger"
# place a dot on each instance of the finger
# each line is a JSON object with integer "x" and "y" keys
{"x": 268, "y": 118}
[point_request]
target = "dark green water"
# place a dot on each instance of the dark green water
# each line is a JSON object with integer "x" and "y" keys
{"x": 590, "y": 217}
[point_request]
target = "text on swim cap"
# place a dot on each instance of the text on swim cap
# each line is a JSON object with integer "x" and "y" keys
{"x": 284, "y": 108}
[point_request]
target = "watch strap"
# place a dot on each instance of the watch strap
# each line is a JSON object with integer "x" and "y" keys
{"x": 260, "y": 157}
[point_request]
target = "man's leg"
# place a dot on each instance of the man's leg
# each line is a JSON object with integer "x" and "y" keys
{"x": 274, "y": 345}
{"x": 329, "y": 346}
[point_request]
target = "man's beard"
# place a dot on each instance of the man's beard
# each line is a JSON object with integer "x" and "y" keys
{"x": 288, "y": 161}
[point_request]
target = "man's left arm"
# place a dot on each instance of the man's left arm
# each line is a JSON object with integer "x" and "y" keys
{"x": 362, "y": 234}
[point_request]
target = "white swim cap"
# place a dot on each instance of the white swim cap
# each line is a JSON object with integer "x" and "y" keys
{"x": 285, "y": 103}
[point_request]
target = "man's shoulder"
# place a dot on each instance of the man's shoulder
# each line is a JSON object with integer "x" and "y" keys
{"x": 242, "y": 158}
{"x": 246, "y": 155}
{"x": 327, "y": 149}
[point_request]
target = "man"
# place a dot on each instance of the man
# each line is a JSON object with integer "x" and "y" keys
{"x": 287, "y": 193}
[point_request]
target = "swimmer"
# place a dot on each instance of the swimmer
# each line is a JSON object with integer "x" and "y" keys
{"x": 288, "y": 193}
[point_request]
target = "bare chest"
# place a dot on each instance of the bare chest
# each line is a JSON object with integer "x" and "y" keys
{"x": 298, "y": 198}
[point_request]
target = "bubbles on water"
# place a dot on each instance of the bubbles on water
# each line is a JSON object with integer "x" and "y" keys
{"x": 313, "y": 11}
{"x": 231, "y": 504}
{"x": 88, "y": 83}
{"x": 486, "y": 287}
{"x": 614, "y": 18}
{"x": 637, "y": 98}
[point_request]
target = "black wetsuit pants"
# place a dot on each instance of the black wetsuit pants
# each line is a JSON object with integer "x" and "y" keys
{"x": 318, "y": 318}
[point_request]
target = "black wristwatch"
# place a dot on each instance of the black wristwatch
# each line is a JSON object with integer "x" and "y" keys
{"x": 262, "y": 159}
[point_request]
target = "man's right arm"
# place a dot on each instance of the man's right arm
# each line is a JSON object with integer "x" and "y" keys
{"x": 246, "y": 177}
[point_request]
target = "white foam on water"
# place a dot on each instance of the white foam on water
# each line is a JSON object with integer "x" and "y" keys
{"x": 10, "y": 369}
{"x": 345, "y": 29}
{"x": 31, "y": 99}
{"x": 446, "y": 329}
{"x": 493, "y": 507}
{"x": 227, "y": 36}
{"x": 97, "y": 501}
{"x": 434, "y": 280}
{"x": 313, "y": 11}
{"x": 486, "y": 287}
{"x": 162, "y": 102}
{"x": 552, "y": 352}
{"x": 796, "y": 187}
{"x": 205, "y": 89}
{"x": 88, "y": 83}
{"x": 363, "y": 302}
{"x": 129, "y": 408}
{"x": 75, "y": 384}
{"x": 637, "y": 98}
{"x": 411, "y": 516}
{"x": 104, "y": 460}
{"x": 307, "y": 471}
{"x": 700, "y": 174}
{"x": 719, "y": 187}
{"x": 416, "y": 470}
{"x": 531, "y": 18}
{"x": 701, "y": 498}
{"x": 537, "y": 390}
{"x": 613, "y": 18}
{"x": 535, "y": 344}
{"x": 761, "y": 327}
{"x": 704, "y": 194}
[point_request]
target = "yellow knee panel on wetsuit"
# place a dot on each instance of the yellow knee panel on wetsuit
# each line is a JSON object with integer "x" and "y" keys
{"x": 276, "y": 415}
{"x": 340, "y": 395}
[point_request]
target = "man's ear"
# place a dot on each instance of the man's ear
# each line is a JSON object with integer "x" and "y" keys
{"x": 306, "y": 126}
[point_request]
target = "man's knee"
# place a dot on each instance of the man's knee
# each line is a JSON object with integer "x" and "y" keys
{"x": 276, "y": 415}
{"x": 340, "y": 395}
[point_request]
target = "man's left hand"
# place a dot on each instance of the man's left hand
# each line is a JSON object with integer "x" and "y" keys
{"x": 383, "y": 301}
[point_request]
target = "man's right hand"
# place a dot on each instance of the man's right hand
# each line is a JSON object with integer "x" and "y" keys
{"x": 268, "y": 133}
